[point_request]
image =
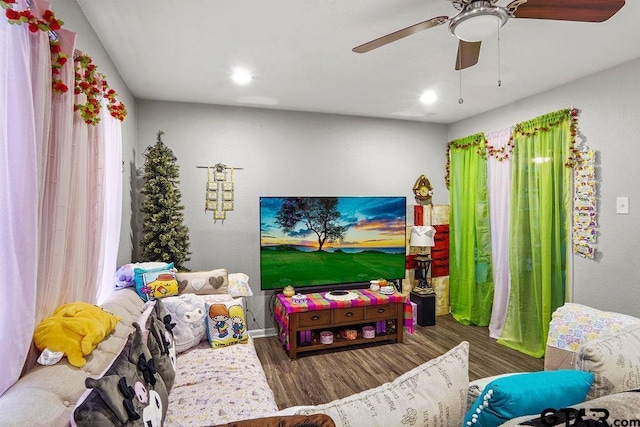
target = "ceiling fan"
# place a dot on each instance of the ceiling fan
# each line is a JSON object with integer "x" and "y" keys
{"x": 479, "y": 19}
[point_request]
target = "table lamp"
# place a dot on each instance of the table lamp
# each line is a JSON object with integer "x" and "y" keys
{"x": 422, "y": 237}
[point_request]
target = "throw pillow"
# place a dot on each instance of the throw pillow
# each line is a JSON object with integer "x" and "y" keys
{"x": 527, "y": 394}
{"x": 125, "y": 275}
{"x": 188, "y": 313}
{"x": 615, "y": 361}
{"x": 161, "y": 343}
{"x": 203, "y": 282}
{"x": 239, "y": 285}
{"x": 226, "y": 324}
{"x": 432, "y": 394}
{"x": 129, "y": 393}
{"x": 75, "y": 329}
{"x": 155, "y": 283}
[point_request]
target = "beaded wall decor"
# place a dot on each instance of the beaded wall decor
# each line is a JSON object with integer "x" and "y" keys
{"x": 585, "y": 224}
{"x": 219, "y": 190}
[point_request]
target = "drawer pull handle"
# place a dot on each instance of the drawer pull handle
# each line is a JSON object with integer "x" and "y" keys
{"x": 348, "y": 314}
{"x": 381, "y": 310}
{"x": 315, "y": 317}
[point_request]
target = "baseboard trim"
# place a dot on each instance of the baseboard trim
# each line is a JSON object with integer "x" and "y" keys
{"x": 262, "y": 333}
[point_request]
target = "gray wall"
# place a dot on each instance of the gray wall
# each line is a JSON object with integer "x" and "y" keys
{"x": 283, "y": 153}
{"x": 609, "y": 121}
{"x": 88, "y": 42}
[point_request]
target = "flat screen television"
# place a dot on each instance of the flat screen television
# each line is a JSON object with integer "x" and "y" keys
{"x": 331, "y": 242}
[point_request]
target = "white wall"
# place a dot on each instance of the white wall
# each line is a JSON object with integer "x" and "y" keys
{"x": 283, "y": 153}
{"x": 88, "y": 42}
{"x": 609, "y": 121}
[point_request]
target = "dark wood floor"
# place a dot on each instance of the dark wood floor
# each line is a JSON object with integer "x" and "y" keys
{"x": 320, "y": 377}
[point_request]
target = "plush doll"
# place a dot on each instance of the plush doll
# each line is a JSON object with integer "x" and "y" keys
{"x": 75, "y": 329}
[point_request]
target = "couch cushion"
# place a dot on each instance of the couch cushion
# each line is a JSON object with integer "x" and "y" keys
{"x": 203, "y": 282}
{"x": 161, "y": 342}
{"x": 432, "y": 394}
{"x": 225, "y": 323}
{"x": 615, "y": 361}
{"x": 219, "y": 386}
{"x": 155, "y": 283}
{"x": 57, "y": 388}
{"x": 188, "y": 313}
{"x": 239, "y": 285}
{"x": 574, "y": 324}
{"x": 130, "y": 392}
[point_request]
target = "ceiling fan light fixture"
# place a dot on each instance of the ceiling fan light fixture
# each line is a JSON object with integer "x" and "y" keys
{"x": 480, "y": 20}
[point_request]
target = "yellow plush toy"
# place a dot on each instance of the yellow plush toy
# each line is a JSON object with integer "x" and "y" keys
{"x": 75, "y": 329}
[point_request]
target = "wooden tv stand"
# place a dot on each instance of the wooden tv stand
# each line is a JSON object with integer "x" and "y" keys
{"x": 368, "y": 309}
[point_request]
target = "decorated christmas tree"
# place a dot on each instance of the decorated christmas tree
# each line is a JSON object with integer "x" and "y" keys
{"x": 164, "y": 236}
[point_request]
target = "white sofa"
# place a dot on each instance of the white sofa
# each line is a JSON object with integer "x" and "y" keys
{"x": 210, "y": 386}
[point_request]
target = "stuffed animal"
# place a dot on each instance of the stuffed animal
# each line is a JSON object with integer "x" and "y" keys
{"x": 75, "y": 329}
{"x": 187, "y": 311}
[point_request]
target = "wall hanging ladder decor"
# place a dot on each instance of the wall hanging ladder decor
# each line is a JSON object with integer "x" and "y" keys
{"x": 219, "y": 190}
{"x": 585, "y": 208}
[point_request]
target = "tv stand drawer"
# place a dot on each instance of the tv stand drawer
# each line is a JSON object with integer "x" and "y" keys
{"x": 312, "y": 319}
{"x": 383, "y": 311}
{"x": 350, "y": 314}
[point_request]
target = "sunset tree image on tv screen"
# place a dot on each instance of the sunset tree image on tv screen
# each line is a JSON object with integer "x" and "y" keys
{"x": 322, "y": 241}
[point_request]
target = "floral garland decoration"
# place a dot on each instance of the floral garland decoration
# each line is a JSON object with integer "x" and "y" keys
{"x": 87, "y": 83}
{"x": 478, "y": 141}
{"x": 49, "y": 24}
{"x": 115, "y": 107}
{"x": 85, "y": 77}
{"x": 574, "y": 153}
{"x": 91, "y": 84}
{"x": 503, "y": 152}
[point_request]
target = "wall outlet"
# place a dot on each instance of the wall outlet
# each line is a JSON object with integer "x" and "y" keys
{"x": 622, "y": 205}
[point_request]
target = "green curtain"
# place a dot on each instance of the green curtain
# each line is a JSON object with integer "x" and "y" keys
{"x": 470, "y": 269}
{"x": 539, "y": 229}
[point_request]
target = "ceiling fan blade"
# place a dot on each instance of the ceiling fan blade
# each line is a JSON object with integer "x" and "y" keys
{"x": 468, "y": 54}
{"x": 566, "y": 10}
{"x": 397, "y": 35}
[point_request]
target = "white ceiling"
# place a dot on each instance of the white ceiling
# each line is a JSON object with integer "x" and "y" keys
{"x": 300, "y": 53}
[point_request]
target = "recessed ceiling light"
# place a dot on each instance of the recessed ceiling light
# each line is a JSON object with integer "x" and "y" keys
{"x": 241, "y": 76}
{"x": 429, "y": 97}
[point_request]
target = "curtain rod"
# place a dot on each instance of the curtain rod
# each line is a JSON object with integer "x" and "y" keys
{"x": 215, "y": 166}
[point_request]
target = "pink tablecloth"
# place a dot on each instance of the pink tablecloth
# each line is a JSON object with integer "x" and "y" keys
{"x": 317, "y": 301}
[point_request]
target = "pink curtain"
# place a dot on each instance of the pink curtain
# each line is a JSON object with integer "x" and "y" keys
{"x": 58, "y": 191}
{"x": 61, "y": 191}
{"x": 499, "y": 182}
{"x": 19, "y": 195}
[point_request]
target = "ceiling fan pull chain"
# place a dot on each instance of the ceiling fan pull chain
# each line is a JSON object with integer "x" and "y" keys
{"x": 460, "y": 100}
{"x": 499, "y": 75}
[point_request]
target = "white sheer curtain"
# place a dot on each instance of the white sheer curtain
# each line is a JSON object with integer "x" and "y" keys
{"x": 19, "y": 194}
{"x": 61, "y": 192}
{"x": 111, "y": 208}
{"x": 499, "y": 181}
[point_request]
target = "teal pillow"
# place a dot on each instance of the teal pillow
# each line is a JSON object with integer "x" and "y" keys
{"x": 155, "y": 283}
{"x": 517, "y": 395}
